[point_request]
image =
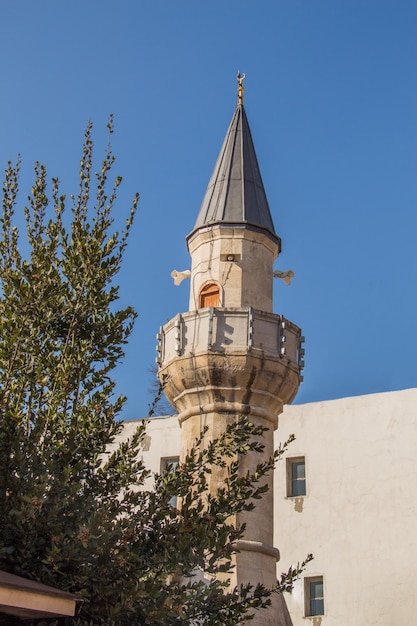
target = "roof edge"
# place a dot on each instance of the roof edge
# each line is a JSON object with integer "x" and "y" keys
{"x": 242, "y": 225}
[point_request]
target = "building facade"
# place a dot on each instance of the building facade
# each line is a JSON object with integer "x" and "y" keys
{"x": 344, "y": 491}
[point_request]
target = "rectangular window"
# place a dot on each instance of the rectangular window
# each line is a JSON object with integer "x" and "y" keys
{"x": 314, "y": 596}
{"x": 296, "y": 477}
{"x": 170, "y": 464}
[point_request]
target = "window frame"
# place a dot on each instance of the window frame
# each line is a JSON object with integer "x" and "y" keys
{"x": 308, "y": 582}
{"x": 164, "y": 464}
{"x": 291, "y": 481}
{"x": 166, "y": 460}
{"x": 209, "y": 289}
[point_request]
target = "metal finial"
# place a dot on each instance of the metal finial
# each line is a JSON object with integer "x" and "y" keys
{"x": 240, "y": 88}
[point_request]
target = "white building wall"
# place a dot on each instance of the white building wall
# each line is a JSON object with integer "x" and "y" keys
{"x": 359, "y": 515}
{"x": 162, "y": 441}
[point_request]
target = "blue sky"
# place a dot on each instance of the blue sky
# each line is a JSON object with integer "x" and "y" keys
{"x": 331, "y": 97}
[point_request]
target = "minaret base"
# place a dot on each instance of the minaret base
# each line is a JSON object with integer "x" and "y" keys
{"x": 276, "y": 615}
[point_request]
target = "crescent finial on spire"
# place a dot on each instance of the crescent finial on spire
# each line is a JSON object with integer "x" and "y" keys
{"x": 240, "y": 88}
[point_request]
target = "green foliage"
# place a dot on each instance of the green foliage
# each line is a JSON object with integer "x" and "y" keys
{"x": 72, "y": 511}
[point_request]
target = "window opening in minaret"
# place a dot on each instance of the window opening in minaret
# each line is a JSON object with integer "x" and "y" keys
{"x": 209, "y": 296}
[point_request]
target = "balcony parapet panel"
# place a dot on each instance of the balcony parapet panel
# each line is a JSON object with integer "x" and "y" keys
{"x": 231, "y": 331}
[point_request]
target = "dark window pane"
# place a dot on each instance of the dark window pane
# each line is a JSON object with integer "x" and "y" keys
{"x": 298, "y": 469}
{"x": 298, "y": 488}
{"x": 316, "y": 588}
{"x": 316, "y": 598}
{"x": 317, "y": 607}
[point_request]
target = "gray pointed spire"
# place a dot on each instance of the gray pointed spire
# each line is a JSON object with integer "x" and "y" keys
{"x": 235, "y": 194}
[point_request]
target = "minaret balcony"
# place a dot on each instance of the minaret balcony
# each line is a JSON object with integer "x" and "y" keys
{"x": 231, "y": 331}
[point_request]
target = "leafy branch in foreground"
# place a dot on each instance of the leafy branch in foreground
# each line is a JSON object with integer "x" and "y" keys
{"x": 286, "y": 582}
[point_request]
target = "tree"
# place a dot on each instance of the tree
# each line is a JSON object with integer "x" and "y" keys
{"x": 72, "y": 513}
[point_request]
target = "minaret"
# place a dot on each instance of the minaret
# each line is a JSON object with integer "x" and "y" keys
{"x": 230, "y": 355}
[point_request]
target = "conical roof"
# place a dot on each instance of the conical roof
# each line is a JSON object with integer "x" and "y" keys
{"x": 235, "y": 194}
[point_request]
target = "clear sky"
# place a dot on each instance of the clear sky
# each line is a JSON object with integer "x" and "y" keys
{"x": 331, "y": 98}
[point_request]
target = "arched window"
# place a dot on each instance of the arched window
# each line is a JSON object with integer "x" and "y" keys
{"x": 209, "y": 296}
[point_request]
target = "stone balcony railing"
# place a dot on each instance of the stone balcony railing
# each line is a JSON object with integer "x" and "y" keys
{"x": 231, "y": 331}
